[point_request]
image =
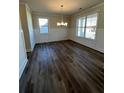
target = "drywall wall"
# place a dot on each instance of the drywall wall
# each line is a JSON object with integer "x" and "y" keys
{"x": 55, "y": 33}
{"x": 22, "y": 51}
{"x": 30, "y": 27}
{"x": 23, "y": 17}
{"x": 98, "y": 43}
{"x": 26, "y": 19}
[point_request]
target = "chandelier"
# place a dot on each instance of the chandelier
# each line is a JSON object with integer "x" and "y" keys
{"x": 62, "y": 23}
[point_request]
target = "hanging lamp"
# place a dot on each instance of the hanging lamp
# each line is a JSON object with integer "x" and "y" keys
{"x": 62, "y": 23}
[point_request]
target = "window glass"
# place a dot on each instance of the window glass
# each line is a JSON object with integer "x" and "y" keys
{"x": 91, "y": 23}
{"x": 43, "y": 25}
{"x": 81, "y": 27}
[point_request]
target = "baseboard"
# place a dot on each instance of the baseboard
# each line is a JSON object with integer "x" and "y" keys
{"x": 26, "y": 65}
{"x": 22, "y": 68}
{"x": 52, "y": 41}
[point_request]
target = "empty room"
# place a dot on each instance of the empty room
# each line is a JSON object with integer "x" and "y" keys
{"x": 61, "y": 46}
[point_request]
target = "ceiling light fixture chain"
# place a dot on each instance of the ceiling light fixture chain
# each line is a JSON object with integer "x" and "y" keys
{"x": 62, "y": 12}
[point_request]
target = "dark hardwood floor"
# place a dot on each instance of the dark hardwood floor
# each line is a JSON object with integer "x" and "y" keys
{"x": 63, "y": 67}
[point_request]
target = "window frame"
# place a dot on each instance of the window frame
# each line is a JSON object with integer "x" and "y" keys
{"x": 85, "y": 16}
{"x": 39, "y": 26}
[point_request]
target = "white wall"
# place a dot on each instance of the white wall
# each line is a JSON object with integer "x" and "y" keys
{"x": 26, "y": 21}
{"x": 98, "y": 43}
{"x": 30, "y": 27}
{"x": 22, "y": 51}
{"x": 23, "y": 18}
{"x": 55, "y": 33}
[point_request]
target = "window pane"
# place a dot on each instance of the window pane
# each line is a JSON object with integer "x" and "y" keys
{"x": 43, "y": 24}
{"x": 90, "y": 33}
{"x": 44, "y": 29}
{"x": 91, "y": 26}
{"x": 81, "y": 27}
{"x": 92, "y": 20}
{"x": 80, "y": 32}
{"x": 81, "y": 22}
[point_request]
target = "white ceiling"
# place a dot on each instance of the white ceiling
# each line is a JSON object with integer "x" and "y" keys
{"x": 53, "y": 6}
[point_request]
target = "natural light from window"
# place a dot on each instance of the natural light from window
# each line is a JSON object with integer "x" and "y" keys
{"x": 86, "y": 26}
{"x": 81, "y": 27}
{"x": 43, "y": 24}
{"x": 91, "y": 26}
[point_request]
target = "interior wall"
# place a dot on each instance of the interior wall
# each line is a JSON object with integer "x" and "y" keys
{"x": 26, "y": 21}
{"x": 22, "y": 51}
{"x": 98, "y": 43}
{"x": 55, "y": 33}
{"x": 23, "y": 17}
{"x": 30, "y": 27}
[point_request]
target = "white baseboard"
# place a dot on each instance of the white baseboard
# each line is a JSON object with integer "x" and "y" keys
{"x": 21, "y": 69}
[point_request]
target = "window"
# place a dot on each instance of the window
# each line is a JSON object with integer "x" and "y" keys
{"x": 86, "y": 26}
{"x": 43, "y": 24}
{"x": 91, "y": 26}
{"x": 81, "y": 27}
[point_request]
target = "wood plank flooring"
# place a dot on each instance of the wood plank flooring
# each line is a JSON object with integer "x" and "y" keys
{"x": 63, "y": 67}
